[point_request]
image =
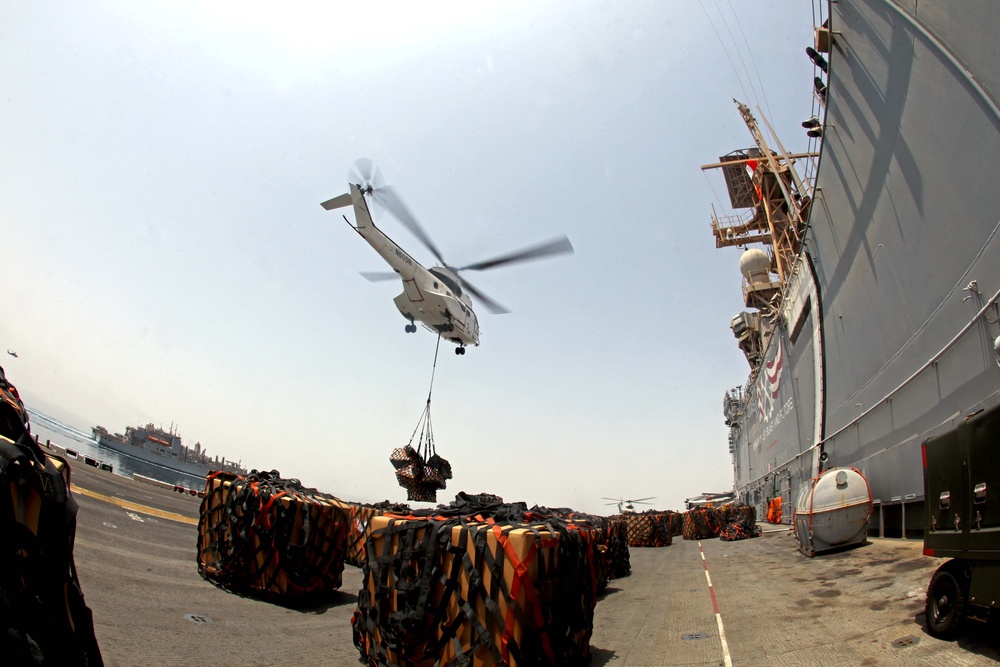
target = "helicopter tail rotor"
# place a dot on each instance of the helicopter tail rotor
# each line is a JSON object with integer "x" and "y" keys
{"x": 366, "y": 175}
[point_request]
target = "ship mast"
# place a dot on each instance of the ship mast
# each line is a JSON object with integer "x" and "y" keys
{"x": 775, "y": 201}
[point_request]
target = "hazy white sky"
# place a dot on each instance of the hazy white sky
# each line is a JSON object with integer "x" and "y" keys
{"x": 166, "y": 258}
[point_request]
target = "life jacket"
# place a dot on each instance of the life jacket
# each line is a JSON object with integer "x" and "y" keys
{"x": 774, "y": 510}
{"x": 43, "y": 617}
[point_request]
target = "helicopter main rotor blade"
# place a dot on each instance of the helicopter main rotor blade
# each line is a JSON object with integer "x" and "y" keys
{"x": 555, "y": 247}
{"x": 391, "y": 200}
{"x": 379, "y": 276}
{"x": 490, "y": 304}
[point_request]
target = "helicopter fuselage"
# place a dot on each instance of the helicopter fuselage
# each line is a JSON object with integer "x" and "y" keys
{"x": 434, "y": 297}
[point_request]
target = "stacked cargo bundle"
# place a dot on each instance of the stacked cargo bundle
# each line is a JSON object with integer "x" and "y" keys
{"x": 615, "y": 538}
{"x": 740, "y": 523}
{"x": 360, "y": 525}
{"x": 271, "y": 538}
{"x": 676, "y": 524}
{"x": 502, "y": 587}
{"x": 648, "y": 529}
{"x": 421, "y": 479}
{"x": 701, "y": 523}
{"x": 612, "y": 541}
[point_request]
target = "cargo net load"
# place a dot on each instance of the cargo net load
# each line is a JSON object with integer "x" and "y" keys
{"x": 479, "y": 582}
{"x": 651, "y": 528}
{"x": 271, "y": 538}
{"x": 419, "y": 469}
{"x": 729, "y": 522}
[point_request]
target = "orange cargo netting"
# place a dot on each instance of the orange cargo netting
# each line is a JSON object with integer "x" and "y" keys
{"x": 729, "y": 522}
{"x": 271, "y": 538}
{"x": 477, "y": 587}
{"x": 740, "y": 523}
{"x": 649, "y": 529}
{"x": 701, "y": 523}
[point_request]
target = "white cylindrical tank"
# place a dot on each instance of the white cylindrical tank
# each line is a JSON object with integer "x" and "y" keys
{"x": 832, "y": 511}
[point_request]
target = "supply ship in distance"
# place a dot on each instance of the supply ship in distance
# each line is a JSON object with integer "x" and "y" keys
{"x": 871, "y": 279}
{"x": 156, "y": 445}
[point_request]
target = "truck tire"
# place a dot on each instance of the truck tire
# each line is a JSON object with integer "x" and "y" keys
{"x": 947, "y": 599}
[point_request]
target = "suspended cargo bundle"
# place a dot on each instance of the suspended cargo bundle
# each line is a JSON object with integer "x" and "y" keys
{"x": 271, "y": 538}
{"x": 421, "y": 471}
{"x": 701, "y": 523}
{"x": 454, "y": 590}
{"x": 648, "y": 529}
{"x": 741, "y": 523}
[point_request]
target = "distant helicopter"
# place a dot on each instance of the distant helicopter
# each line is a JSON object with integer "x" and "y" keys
{"x": 625, "y": 506}
{"x": 12, "y": 353}
{"x": 435, "y": 297}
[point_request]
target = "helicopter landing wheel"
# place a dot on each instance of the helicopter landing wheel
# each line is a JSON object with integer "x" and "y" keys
{"x": 459, "y": 350}
{"x": 410, "y": 328}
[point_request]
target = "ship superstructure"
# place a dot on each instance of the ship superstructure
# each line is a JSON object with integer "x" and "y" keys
{"x": 164, "y": 447}
{"x": 871, "y": 287}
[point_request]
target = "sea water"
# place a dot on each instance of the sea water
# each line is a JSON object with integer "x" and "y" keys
{"x": 47, "y": 428}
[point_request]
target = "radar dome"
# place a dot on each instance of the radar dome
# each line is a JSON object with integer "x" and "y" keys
{"x": 755, "y": 266}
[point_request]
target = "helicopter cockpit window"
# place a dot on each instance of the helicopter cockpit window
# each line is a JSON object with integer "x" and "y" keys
{"x": 435, "y": 285}
{"x": 448, "y": 282}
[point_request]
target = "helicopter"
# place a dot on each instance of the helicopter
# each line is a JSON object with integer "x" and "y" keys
{"x": 625, "y": 506}
{"x": 436, "y": 297}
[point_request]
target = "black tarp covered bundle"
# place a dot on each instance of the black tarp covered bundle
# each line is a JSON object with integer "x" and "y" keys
{"x": 740, "y": 524}
{"x": 43, "y": 617}
{"x": 477, "y": 583}
{"x": 271, "y": 538}
{"x": 612, "y": 537}
{"x": 421, "y": 479}
{"x": 701, "y": 523}
{"x": 648, "y": 529}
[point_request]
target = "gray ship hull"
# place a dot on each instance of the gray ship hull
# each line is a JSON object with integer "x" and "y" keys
{"x": 887, "y": 330}
{"x": 150, "y": 456}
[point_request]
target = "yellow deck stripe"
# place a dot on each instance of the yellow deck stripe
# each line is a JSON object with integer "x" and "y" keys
{"x": 163, "y": 514}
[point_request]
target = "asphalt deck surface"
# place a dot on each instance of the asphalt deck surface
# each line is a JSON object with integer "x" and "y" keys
{"x": 863, "y": 606}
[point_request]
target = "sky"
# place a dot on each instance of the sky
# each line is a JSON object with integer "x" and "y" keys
{"x": 166, "y": 258}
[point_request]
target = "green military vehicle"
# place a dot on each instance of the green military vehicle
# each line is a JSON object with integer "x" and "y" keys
{"x": 962, "y": 497}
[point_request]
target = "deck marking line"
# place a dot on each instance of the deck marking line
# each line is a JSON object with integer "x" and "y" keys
{"x": 715, "y": 607}
{"x": 126, "y": 505}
